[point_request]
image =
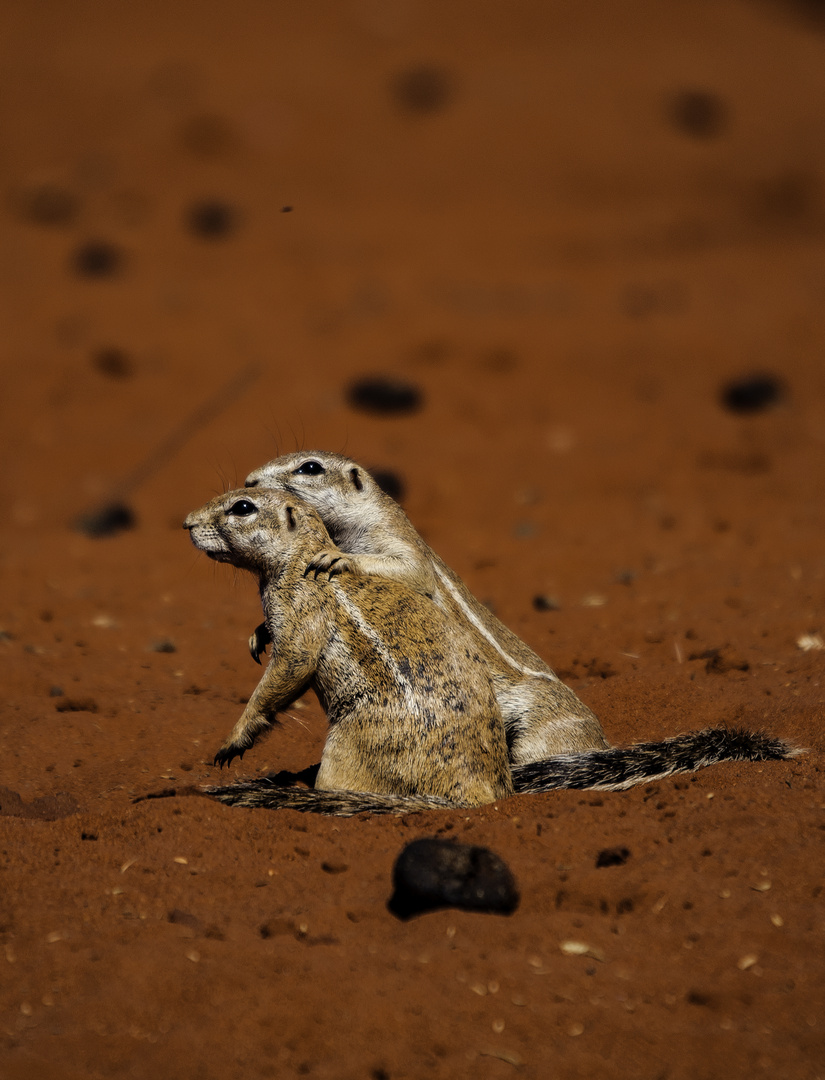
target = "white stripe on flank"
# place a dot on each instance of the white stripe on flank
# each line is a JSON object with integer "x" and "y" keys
{"x": 482, "y": 629}
{"x": 372, "y": 636}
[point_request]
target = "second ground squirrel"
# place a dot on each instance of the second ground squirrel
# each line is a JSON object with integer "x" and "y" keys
{"x": 372, "y": 536}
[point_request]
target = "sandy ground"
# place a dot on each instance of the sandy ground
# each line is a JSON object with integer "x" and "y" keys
{"x": 570, "y": 226}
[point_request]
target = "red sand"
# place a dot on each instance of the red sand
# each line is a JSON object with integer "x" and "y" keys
{"x": 570, "y": 257}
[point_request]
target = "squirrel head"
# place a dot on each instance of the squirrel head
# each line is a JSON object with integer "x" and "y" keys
{"x": 260, "y": 531}
{"x": 313, "y": 475}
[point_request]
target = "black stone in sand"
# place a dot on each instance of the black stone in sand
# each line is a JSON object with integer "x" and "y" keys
{"x": 431, "y": 874}
{"x": 753, "y": 393}
{"x": 106, "y": 520}
{"x": 384, "y": 396}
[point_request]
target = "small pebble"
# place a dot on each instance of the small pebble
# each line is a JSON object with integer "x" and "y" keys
{"x": 617, "y": 856}
{"x": 594, "y": 600}
{"x": 573, "y": 948}
{"x": 164, "y": 645}
{"x": 581, "y": 948}
{"x": 810, "y": 642}
{"x": 541, "y": 602}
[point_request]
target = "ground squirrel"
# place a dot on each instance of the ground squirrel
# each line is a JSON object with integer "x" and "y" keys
{"x": 409, "y": 702}
{"x": 372, "y": 536}
{"x": 414, "y": 721}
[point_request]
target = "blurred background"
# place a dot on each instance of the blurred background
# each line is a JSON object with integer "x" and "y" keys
{"x": 536, "y": 213}
{"x": 553, "y": 232}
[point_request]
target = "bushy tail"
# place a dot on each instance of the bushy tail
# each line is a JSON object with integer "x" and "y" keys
{"x": 615, "y": 769}
{"x": 262, "y": 792}
{"x": 622, "y": 767}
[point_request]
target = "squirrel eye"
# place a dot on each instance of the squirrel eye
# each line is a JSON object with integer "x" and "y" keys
{"x": 242, "y": 508}
{"x": 310, "y": 468}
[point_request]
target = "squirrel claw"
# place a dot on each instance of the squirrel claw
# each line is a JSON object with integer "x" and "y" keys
{"x": 225, "y": 756}
{"x": 329, "y": 562}
{"x": 258, "y": 641}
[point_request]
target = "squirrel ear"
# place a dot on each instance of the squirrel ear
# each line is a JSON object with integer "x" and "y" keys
{"x": 357, "y": 482}
{"x": 291, "y": 518}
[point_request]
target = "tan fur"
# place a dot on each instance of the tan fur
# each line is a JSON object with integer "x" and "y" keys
{"x": 373, "y": 537}
{"x": 407, "y": 695}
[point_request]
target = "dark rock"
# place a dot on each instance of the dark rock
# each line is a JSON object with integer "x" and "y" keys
{"x": 384, "y": 396}
{"x": 751, "y": 394}
{"x": 97, "y": 259}
{"x": 184, "y": 918}
{"x": 617, "y": 856}
{"x": 699, "y": 114}
{"x": 212, "y": 220}
{"x": 164, "y": 645}
{"x": 431, "y": 874}
{"x": 107, "y": 520}
{"x": 50, "y": 205}
{"x": 69, "y": 704}
{"x": 546, "y": 603}
{"x": 113, "y": 362}
{"x": 423, "y": 89}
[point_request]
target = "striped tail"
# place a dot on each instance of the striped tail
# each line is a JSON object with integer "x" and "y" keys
{"x": 622, "y": 767}
{"x": 262, "y": 792}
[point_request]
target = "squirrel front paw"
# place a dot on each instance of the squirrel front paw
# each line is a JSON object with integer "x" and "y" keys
{"x": 226, "y": 754}
{"x": 258, "y": 642}
{"x": 330, "y": 561}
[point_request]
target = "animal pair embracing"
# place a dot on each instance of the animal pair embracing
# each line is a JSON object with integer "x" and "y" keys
{"x": 431, "y": 701}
